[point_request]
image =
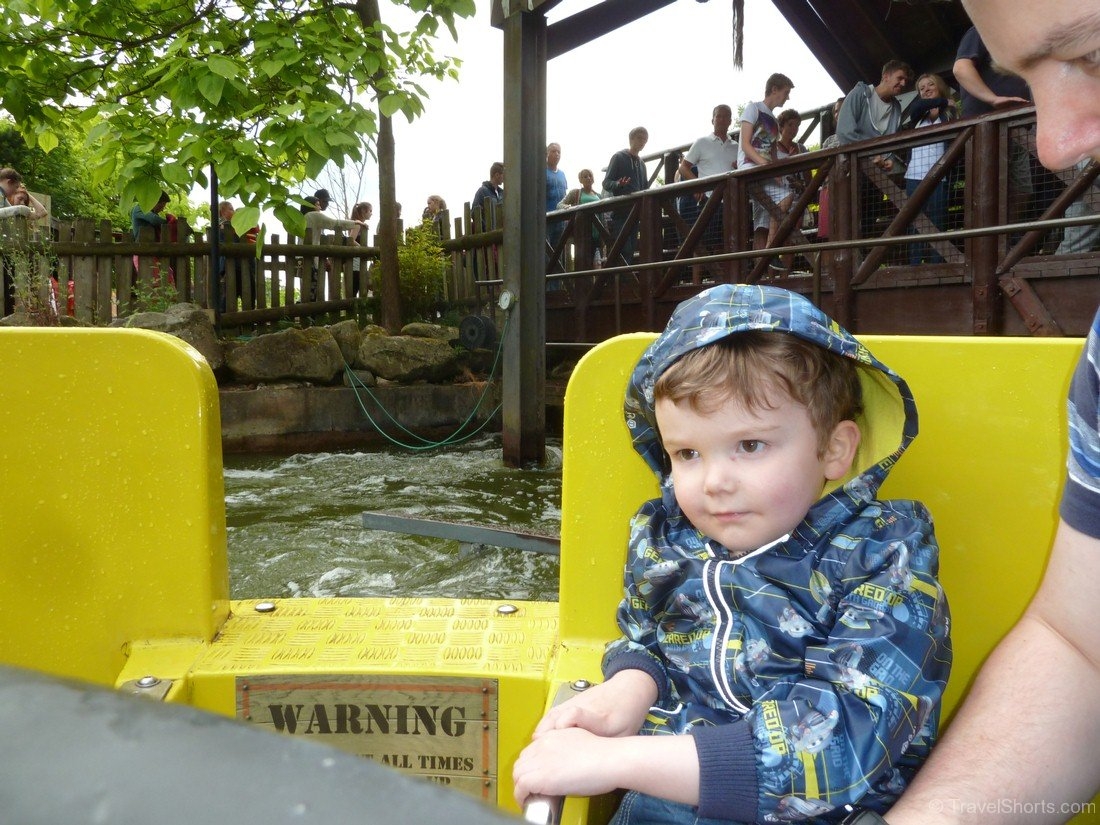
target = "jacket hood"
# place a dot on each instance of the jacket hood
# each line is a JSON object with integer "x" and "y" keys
{"x": 889, "y": 420}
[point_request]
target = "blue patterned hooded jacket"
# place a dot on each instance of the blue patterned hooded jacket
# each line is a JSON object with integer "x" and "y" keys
{"x": 809, "y": 672}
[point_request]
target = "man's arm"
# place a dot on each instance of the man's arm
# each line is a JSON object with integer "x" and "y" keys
{"x": 969, "y": 78}
{"x": 847, "y": 126}
{"x": 746, "y": 144}
{"x": 1028, "y": 731}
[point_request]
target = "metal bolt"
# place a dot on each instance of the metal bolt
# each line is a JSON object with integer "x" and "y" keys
{"x": 265, "y": 607}
{"x": 148, "y": 682}
{"x": 580, "y": 684}
{"x": 507, "y": 609}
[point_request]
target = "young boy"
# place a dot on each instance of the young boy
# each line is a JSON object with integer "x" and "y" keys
{"x": 782, "y": 624}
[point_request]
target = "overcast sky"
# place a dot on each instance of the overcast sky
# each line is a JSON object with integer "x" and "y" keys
{"x": 665, "y": 72}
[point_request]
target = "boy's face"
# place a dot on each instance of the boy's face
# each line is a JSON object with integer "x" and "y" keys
{"x": 746, "y": 478}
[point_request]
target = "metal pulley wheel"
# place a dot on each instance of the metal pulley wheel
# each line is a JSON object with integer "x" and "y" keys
{"x": 477, "y": 332}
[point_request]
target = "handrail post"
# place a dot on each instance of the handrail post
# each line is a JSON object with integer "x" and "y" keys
{"x": 843, "y": 219}
{"x": 984, "y": 194}
{"x": 738, "y": 214}
{"x": 650, "y": 250}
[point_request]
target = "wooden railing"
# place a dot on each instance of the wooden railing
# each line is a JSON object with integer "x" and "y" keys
{"x": 855, "y": 238}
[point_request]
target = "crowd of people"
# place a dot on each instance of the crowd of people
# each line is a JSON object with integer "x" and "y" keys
{"x": 760, "y": 137}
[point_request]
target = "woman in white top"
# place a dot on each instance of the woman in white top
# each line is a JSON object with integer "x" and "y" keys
{"x": 932, "y": 105}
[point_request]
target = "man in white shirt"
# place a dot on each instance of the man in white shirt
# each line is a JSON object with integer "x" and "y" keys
{"x": 712, "y": 154}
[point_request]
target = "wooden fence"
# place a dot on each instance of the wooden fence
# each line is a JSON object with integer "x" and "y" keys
{"x": 90, "y": 271}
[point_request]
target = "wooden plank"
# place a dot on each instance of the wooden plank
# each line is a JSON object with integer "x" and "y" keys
{"x": 83, "y": 276}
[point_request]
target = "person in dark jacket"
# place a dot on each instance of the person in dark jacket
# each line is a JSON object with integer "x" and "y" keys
{"x": 626, "y": 174}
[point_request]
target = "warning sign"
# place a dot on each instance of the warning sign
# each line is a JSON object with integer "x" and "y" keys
{"x": 437, "y": 728}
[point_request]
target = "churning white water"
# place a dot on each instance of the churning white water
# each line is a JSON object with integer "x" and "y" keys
{"x": 294, "y": 523}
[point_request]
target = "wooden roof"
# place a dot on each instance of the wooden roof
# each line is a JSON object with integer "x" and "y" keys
{"x": 851, "y": 38}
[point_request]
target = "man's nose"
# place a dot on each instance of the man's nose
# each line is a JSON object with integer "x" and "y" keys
{"x": 1068, "y": 115}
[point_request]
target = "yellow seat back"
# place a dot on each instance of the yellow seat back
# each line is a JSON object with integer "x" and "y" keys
{"x": 112, "y": 442}
{"x": 989, "y": 463}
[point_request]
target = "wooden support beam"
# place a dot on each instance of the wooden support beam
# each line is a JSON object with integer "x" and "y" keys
{"x": 523, "y": 253}
{"x": 603, "y": 18}
{"x": 1026, "y": 302}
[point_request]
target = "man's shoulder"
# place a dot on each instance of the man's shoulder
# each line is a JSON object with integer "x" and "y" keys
{"x": 697, "y": 146}
{"x": 751, "y": 110}
{"x": 971, "y": 46}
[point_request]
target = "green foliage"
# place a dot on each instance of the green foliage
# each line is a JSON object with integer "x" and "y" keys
{"x": 421, "y": 266}
{"x": 28, "y": 260}
{"x": 64, "y": 173}
{"x": 154, "y": 297}
{"x": 266, "y": 91}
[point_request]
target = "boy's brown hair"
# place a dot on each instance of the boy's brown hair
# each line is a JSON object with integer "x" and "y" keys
{"x": 749, "y": 366}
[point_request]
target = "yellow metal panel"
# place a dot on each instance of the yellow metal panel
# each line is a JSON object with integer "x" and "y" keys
{"x": 603, "y": 483}
{"x": 112, "y": 519}
{"x": 397, "y": 637}
{"x": 989, "y": 463}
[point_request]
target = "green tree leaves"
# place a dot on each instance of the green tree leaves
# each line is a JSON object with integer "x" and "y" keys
{"x": 266, "y": 91}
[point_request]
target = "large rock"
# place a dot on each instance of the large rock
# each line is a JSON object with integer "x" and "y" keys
{"x": 188, "y": 322}
{"x": 347, "y": 337}
{"x": 419, "y": 329}
{"x": 407, "y": 359}
{"x": 299, "y": 354}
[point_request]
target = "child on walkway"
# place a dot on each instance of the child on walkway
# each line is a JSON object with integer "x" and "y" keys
{"x": 782, "y": 624}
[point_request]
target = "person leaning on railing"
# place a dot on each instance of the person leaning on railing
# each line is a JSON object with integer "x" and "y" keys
{"x": 933, "y": 105}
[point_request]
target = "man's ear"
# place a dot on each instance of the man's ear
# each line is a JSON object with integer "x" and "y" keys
{"x": 841, "y": 450}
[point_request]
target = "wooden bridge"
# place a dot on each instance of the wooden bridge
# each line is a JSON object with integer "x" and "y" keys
{"x": 1002, "y": 267}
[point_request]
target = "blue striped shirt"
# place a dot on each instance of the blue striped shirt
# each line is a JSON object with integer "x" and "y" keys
{"x": 1081, "y": 499}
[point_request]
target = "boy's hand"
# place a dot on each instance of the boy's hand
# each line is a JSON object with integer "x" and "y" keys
{"x": 568, "y": 762}
{"x": 616, "y": 707}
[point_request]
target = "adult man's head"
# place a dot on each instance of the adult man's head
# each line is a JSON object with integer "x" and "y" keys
{"x": 777, "y": 90}
{"x": 721, "y": 118}
{"x": 1054, "y": 46}
{"x": 226, "y": 211}
{"x": 496, "y": 174}
{"x": 638, "y": 137}
{"x": 896, "y": 75}
{"x": 9, "y": 181}
{"x": 162, "y": 202}
{"x": 322, "y": 198}
{"x": 553, "y": 155}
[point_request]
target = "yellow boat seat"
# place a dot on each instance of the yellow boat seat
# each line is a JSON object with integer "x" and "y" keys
{"x": 112, "y": 516}
{"x": 989, "y": 463}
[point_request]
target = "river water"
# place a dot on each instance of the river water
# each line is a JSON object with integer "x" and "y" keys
{"x": 294, "y": 523}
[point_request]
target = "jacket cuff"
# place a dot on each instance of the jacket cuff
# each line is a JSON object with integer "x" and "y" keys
{"x": 727, "y": 772}
{"x": 643, "y": 662}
